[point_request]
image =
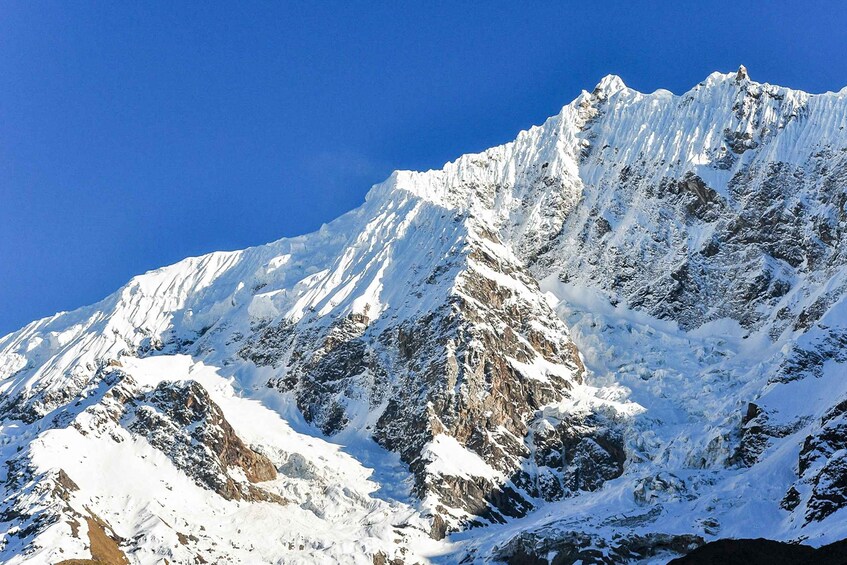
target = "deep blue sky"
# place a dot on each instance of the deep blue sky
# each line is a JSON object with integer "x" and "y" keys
{"x": 135, "y": 134}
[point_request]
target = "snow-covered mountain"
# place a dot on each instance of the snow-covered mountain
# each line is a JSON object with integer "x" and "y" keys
{"x": 613, "y": 339}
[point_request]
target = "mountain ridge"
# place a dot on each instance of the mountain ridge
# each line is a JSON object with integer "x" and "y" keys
{"x": 623, "y": 312}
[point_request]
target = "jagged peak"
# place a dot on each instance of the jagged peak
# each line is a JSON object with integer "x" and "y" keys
{"x": 609, "y": 85}
{"x": 444, "y": 186}
{"x": 717, "y": 77}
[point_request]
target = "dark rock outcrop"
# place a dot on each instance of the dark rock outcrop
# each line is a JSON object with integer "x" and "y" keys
{"x": 552, "y": 547}
{"x": 823, "y": 464}
{"x": 181, "y": 419}
{"x": 764, "y": 552}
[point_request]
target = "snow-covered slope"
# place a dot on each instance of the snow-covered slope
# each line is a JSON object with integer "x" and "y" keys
{"x": 616, "y": 337}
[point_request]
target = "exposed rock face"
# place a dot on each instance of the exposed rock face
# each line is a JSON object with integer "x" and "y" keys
{"x": 572, "y": 452}
{"x": 104, "y": 545}
{"x": 567, "y": 548}
{"x": 823, "y": 465}
{"x": 476, "y": 368}
{"x": 757, "y": 434}
{"x": 180, "y": 419}
{"x": 773, "y": 223}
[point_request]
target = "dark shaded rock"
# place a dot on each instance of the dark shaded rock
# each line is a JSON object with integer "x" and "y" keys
{"x": 791, "y": 500}
{"x": 650, "y": 490}
{"x": 381, "y": 558}
{"x": 822, "y": 465}
{"x": 764, "y": 552}
{"x": 64, "y": 485}
{"x": 268, "y": 344}
{"x": 739, "y": 141}
{"x": 571, "y": 453}
{"x": 569, "y": 547}
{"x": 181, "y": 419}
{"x": 439, "y": 528}
{"x": 756, "y": 434}
{"x": 706, "y": 205}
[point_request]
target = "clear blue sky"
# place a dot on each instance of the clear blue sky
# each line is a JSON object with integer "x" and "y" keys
{"x": 133, "y": 134}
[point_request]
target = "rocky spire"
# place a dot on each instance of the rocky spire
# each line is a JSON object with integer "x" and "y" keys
{"x": 741, "y": 74}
